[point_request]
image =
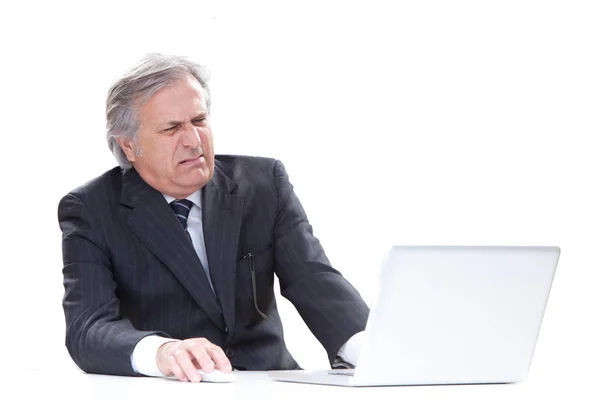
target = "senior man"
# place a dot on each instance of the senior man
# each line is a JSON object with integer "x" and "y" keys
{"x": 169, "y": 258}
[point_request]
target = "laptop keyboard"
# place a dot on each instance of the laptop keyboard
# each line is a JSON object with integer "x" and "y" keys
{"x": 348, "y": 372}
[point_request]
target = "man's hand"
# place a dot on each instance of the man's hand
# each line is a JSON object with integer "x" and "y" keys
{"x": 184, "y": 358}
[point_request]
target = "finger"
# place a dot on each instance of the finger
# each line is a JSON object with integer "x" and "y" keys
{"x": 218, "y": 356}
{"x": 184, "y": 360}
{"x": 176, "y": 369}
{"x": 203, "y": 359}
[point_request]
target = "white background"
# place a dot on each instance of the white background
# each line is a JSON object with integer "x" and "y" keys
{"x": 459, "y": 122}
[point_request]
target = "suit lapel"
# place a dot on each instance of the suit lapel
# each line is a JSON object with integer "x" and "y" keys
{"x": 156, "y": 226}
{"x": 221, "y": 221}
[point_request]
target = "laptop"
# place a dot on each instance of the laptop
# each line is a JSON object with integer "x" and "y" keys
{"x": 450, "y": 315}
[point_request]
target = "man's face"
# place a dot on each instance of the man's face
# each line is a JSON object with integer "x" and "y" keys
{"x": 174, "y": 151}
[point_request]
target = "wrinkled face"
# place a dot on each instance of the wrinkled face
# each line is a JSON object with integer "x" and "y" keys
{"x": 173, "y": 151}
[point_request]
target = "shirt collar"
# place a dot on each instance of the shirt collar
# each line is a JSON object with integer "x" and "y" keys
{"x": 195, "y": 198}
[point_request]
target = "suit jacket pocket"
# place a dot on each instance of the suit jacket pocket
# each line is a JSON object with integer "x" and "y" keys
{"x": 254, "y": 287}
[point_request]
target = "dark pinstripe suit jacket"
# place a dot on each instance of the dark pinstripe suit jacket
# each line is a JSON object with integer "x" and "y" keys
{"x": 130, "y": 271}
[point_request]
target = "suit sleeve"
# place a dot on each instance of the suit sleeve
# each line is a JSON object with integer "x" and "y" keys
{"x": 97, "y": 338}
{"x": 331, "y": 307}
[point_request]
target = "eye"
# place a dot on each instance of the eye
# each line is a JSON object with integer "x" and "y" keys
{"x": 199, "y": 121}
{"x": 170, "y": 130}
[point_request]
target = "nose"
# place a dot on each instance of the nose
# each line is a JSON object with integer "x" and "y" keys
{"x": 190, "y": 136}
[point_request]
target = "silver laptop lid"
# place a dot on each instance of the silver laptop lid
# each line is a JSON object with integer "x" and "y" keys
{"x": 456, "y": 314}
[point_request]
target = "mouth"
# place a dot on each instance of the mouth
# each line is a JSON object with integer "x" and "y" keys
{"x": 192, "y": 160}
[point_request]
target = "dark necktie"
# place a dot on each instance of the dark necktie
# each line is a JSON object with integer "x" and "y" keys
{"x": 182, "y": 208}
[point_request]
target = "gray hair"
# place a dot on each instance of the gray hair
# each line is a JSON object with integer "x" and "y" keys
{"x": 125, "y": 97}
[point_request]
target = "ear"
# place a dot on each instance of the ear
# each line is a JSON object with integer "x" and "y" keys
{"x": 127, "y": 147}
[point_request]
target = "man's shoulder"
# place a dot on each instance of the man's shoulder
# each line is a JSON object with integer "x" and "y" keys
{"x": 242, "y": 167}
{"x": 102, "y": 184}
{"x": 233, "y": 162}
{"x": 250, "y": 173}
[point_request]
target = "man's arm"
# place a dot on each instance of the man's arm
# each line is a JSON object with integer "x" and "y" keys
{"x": 98, "y": 339}
{"x": 331, "y": 307}
{"x": 144, "y": 356}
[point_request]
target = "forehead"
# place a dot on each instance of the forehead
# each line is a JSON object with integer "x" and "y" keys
{"x": 180, "y": 100}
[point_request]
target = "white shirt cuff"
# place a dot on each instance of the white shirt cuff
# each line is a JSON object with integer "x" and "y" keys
{"x": 351, "y": 349}
{"x": 143, "y": 358}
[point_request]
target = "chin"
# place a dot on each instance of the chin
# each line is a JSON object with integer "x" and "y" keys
{"x": 207, "y": 172}
{"x": 200, "y": 179}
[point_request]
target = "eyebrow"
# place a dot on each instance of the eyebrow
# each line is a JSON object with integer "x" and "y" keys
{"x": 172, "y": 124}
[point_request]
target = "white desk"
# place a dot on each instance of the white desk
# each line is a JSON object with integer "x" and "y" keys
{"x": 65, "y": 381}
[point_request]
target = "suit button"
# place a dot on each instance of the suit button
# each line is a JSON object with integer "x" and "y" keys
{"x": 229, "y": 352}
{"x": 226, "y": 329}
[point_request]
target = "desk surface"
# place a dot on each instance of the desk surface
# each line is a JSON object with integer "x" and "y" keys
{"x": 68, "y": 382}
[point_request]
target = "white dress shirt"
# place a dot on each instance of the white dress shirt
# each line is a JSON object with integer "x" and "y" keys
{"x": 143, "y": 358}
